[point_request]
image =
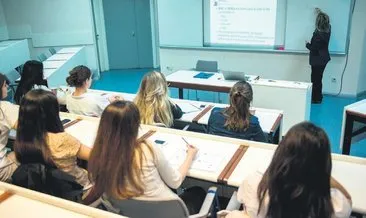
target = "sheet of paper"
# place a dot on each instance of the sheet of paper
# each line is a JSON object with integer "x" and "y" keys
{"x": 188, "y": 107}
{"x": 210, "y": 154}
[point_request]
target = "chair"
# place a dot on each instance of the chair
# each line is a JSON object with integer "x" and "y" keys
{"x": 233, "y": 204}
{"x": 158, "y": 208}
{"x": 48, "y": 180}
{"x": 207, "y": 66}
{"x": 52, "y": 51}
{"x": 42, "y": 57}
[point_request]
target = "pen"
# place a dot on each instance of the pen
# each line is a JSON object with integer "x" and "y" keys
{"x": 195, "y": 106}
{"x": 186, "y": 142}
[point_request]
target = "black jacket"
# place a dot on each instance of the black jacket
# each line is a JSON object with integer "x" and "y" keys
{"x": 319, "y": 51}
{"x": 48, "y": 180}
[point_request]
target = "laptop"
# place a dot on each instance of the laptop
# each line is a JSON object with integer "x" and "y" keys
{"x": 234, "y": 75}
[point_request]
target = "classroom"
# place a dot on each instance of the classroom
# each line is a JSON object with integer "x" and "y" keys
{"x": 194, "y": 108}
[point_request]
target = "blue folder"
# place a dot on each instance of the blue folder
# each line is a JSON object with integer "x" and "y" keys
{"x": 203, "y": 75}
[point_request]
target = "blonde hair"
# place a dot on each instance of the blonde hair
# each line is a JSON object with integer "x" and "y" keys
{"x": 153, "y": 100}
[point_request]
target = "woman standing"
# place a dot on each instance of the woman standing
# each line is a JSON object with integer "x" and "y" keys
{"x": 319, "y": 53}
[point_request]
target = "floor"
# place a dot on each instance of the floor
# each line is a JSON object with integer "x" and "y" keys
{"x": 327, "y": 115}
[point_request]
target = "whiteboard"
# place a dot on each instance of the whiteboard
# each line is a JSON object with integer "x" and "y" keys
{"x": 181, "y": 23}
{"x": 300, "y": 22}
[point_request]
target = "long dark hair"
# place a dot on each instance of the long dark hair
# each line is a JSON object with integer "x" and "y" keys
{"x": 322, "y": 21}
{"x": 238, "y": 114}
{"x": 115, "y": 162}
{"x": 32, "y": 74}
{"x": 38, "y": 115}
{"x": 297, "y": 181}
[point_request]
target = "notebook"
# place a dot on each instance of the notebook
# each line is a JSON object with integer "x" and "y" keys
{"x": 203, "y": 75}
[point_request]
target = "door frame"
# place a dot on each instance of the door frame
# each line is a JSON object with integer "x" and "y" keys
{"x": 101, "y": 36}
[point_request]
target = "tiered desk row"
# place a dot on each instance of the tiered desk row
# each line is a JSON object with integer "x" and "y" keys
{"x": 225, "y": 160}
{"x": 198, "y": 112}
{"x": 293, "y": 98}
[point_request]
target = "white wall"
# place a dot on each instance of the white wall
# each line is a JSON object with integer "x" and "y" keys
{"x": 284, "y": 66}
{"x": 3, "y": 28}
{"x": 56, "y": 23}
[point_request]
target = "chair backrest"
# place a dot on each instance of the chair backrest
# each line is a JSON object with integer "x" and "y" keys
{"x": 42, "y": 57}
{"x": 147, "y": 208}
{"x": 47, "y": 180}
{"x": 208, "y": 66}
{"x": 52, "y": 51}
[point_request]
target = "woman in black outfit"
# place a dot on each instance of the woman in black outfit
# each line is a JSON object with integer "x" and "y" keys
{"x": 319, "y": 53}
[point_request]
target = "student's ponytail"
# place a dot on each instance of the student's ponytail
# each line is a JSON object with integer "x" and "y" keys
{"x": 238, "y": 114}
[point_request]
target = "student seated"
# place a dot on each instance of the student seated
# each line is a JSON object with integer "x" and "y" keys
{"x": 122, "y": 166}
{"x": 298, "y": 181}
{"x": 8, "y": 120}
{"x": 80, "y": 101}
{"x": 236, "y": 120}
{"x": 41, "y": 137}
{"x": 154, "y": 103}
{"x": 32, "y": 78}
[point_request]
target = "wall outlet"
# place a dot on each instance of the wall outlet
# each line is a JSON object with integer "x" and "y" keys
{"x": 334, "y": 80}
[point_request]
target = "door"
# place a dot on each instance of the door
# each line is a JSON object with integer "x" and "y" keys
{"x": 120, "y": 25}
{"x": 128, "y": 33}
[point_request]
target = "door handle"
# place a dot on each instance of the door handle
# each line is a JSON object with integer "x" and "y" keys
{"x": 133, "y": 33}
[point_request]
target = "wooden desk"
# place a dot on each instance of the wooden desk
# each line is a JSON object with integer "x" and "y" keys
{"x": 13, "y": 54}
{"x": 254, "y": 156}
{"x": 23, "y": 202}
{"x": 353, "y": 125}
{"x": 270, "y": 120}
{"x": 293, "y": 98}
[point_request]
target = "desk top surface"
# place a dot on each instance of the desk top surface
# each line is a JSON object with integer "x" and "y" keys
{"x": 8, "y": 42}
{"x": 217, "y": 79}
{"x": 69, "y": 50}
{"x": 27, "y": 203}
{"x": 357, "y": 107}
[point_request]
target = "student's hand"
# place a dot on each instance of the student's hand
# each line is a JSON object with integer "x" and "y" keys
{"x": 114, "y": 98}
{"x": 192, "y": 151}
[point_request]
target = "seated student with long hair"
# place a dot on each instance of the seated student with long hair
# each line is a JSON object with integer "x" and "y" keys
{"x": 236, "y": 120}
{"x": 122, "y": 166}
{"x": 154, "y": 103}
{"x": 8, "y": 120}
{"x": 298, "y": 182}
{"x": 41, "y": 137}
{"x": 32, "y": 78}
{"x": 81, "y": 101}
